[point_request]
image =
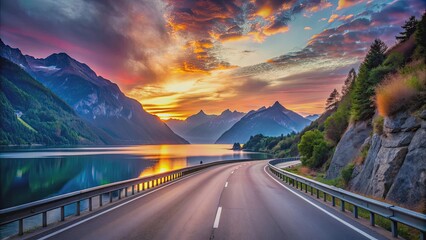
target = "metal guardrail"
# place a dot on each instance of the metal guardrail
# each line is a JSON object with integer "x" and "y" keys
{"x": 394, "y": 213}
{"x": 115, "y": 191}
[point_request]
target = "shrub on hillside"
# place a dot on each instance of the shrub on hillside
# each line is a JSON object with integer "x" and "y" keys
{"x": 398, "y": 91}
{"x": 378, "y": 125}
{"x": 347, "y": 172}
{"x": 313, "y": 149}
{"x": 336, "y": 124}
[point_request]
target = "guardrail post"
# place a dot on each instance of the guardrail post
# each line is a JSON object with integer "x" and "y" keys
{"x": 110, "y": 197}
{"x": 77, "y": 208}
{"x": 21, "y": 227}
{"x": 333, "y": 201}
{"x": 317, "y": 192}
{"x": 62, "y": 213}
{"x": 342, "y": 205}
{"x": 312, "y": 191}
{"x": 143, "y": 186}
{"x": 325, "y": 197}
{"x": 355, "y": 211}
{"x": 422, "y": 235}
{"x": 394, "y": 228}
{"x": 44, "y": 219}
{"x": 119, "y": 194}
{"x": 306, "y": 188}
{"x": 90, "y": 204}
{"x": 126, "y": 189}
{"x": 100, "y": 200}
{"x": 372, "y": 220}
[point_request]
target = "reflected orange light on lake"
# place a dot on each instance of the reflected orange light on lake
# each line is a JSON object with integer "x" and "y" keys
{"x": 165, "y": 163}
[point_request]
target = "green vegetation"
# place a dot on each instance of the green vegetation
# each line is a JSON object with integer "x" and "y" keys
{"x": 420, "y": 37}
{"x": 46, "y": 119}
{"x": 378, "y": 125}
{"x": 347, "y": 172}
{"x": 409, "y": 28}
{"x": 313, "y": 148}
{"x": 362, "y": 104}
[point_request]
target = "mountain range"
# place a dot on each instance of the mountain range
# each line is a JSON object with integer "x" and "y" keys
{"x": 272, "y": 121}
{"x": 31, "y": 113}
{"x": 204, "y": 128}
{"x": 114, "y": 117}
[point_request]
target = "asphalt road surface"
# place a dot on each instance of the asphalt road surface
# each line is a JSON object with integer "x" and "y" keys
{"x": 231, "y": 201}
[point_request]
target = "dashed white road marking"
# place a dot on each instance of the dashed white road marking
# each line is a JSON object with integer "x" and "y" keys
{"x": 217, "y": 219}
{"x": 226, "y": 184}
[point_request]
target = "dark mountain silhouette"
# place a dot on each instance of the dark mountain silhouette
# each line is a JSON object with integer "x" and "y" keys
{"x": 271, "y": 121}
{"x": 203, "y": 128}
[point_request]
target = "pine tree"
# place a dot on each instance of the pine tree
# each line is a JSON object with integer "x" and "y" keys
{"x": 362, "y": 104}
{"x": 349, "y": 82}
{"x": 409, "y": 28}
{"x": 420, "y": 36}
{"x": 332, "y": 100}
{"x": 376, "y": 54}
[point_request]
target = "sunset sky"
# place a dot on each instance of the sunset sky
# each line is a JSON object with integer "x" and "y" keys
{"x": 177, "y": 57}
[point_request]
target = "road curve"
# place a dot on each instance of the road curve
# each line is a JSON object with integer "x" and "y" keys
{"x": 231, "y": 201}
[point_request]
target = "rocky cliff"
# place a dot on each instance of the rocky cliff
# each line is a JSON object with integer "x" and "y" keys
{"x": 349, "y": 147}
{"x": 395, "y": 166}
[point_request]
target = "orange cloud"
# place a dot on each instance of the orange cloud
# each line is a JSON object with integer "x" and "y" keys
{"x": 265, "y": 11}
{"x": 344, "y": 18}
{"x": 333, "y": 17}
{"x": 347, "y": 3}
{"x": 319, "y": 6}
{"x": 274, "y": 30}
{"x": 232, "y": 37}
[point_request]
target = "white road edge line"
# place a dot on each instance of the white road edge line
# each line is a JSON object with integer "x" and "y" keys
{"x": 217, "y": 219}
{"x": 113, "y": 208}
{"x": 232, "y": 172}
{"x": 226, "y": 184}
{"x": 323, "y": 210}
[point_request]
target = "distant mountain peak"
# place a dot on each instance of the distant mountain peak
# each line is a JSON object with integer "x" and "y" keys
{"x": 278, "y": 105}
{"x": 201, "y": 113}
{"x": 227, "y": 111}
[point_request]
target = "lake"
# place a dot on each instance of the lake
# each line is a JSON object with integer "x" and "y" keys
{"x": 30, "y": 174}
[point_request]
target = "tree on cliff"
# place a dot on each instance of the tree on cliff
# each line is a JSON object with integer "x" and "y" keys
{"x": 349, "y": 82}
{"x": 420, "y": 36}
{"x": 362, "y": 104}
{"x": 332, "y": 100}
{"x": 409, "y": 28}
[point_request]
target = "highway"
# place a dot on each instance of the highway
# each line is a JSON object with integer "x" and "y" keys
{"x": 230, "y": 201}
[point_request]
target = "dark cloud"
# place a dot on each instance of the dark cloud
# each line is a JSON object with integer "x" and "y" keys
{"x": 103, "y": 32}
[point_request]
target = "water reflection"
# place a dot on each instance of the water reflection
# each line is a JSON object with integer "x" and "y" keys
{"x": 28, "y": 175}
